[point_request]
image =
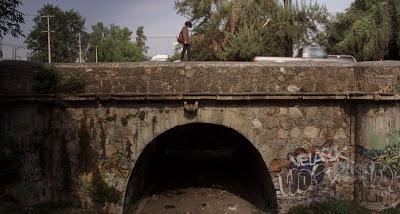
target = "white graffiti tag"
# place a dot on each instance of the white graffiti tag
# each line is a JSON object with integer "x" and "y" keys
{"x": 308, "y": 170}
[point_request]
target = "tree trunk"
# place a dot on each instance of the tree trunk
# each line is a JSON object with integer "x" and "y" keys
{"x": 394, "y": 49}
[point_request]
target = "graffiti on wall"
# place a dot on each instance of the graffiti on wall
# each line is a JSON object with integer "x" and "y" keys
{"x": 378, "y": 175}
{"x": 317, "y": 171}
{"x": 306, "y": 172}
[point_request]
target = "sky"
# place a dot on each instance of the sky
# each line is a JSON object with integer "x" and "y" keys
{"x": 158, "y": 17}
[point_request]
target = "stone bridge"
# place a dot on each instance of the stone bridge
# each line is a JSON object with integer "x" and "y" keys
{"x": 277, "y": 135}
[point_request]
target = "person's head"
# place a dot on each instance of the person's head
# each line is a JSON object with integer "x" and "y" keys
{"x": 188, "y": 24}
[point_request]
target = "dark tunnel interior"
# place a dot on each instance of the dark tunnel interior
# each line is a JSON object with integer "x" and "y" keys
{"x": 201, "y": 155}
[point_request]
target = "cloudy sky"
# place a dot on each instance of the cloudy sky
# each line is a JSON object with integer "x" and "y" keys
{"x": 158, "y": 17}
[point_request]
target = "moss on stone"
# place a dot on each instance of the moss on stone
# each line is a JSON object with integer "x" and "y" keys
{"x": 47, "y": 81}
{"x": 85, "y": 156}
{"x": 142, "y": 115}
{"x": 124, "y": 120}
{"x": 101, "y": 193}
{"x": 338, "y": 207}
{"x": 330, "y": 207}
{"x": 111, "y": 118}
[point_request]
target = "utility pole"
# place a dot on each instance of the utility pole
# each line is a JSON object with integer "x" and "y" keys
{"x": 15, "y": 53}
{"x": 1, "y": 48}
{"x": 96, "y": 53}
{"x": 48, "y": 35}
{"x": 80, "y": 47}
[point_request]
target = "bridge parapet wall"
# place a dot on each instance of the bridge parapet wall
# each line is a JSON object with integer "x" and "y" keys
{"x": 222, "y": 78}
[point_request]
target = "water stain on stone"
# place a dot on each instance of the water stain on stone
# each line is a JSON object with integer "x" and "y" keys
{"x": 142, "y": 115}
{"x": 169, "y": 206}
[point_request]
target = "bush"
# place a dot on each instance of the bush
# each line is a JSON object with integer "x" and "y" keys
{"x": 101, "y": 193}
{"x": 330, "y": 207}
{"x": 48, "y": 81}
{"x": 392, "y": 210}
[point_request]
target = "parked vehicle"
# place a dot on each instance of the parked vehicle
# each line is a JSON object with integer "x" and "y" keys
{"x": 160, "y": 58}
{"x": 307, "y": 53}
{"x": 348, "y": 58}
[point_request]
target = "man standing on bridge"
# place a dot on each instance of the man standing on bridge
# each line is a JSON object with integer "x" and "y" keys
{"x": 186, "y": 41}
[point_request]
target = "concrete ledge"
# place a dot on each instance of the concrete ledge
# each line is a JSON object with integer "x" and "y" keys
{"x": 204, "y": 96}
{"x": 217, "y": 78}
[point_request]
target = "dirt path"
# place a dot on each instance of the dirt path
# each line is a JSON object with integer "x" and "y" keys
{"x": 196, "y": 200}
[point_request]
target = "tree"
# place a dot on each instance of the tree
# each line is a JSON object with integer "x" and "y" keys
{"x": 299, "y": 24}
{"x": 10, "y": 18}
{"x": 114, "y": 44}
{"x": 242, "y": 29}
{"x": 64, "y": 40}
{"x": 368, "y": 30}
{"x": 141, "y": 39}
{"x": 218, "y": 21}
{"x": 394, "y": 36}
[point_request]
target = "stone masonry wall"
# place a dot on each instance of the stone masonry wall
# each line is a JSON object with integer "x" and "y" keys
{"x": 219, "y": 77}
{"x": 378, "y": 155}
{"x": 69, "y": 151}
{"x": 84, "y": 150}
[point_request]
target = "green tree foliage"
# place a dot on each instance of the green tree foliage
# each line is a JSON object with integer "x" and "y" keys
{"x": 114, "y": 44}
{"x": 242, "y": 29}
{"x": 245, "y": 44}
{"x": 10, "y": 18}
{"x": 64, "y": 40}
{"x": 141, "y": 39}
{"x": 369, "y": 30}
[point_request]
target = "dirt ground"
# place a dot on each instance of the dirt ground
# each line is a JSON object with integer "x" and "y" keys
{"x": 196, "y": 200}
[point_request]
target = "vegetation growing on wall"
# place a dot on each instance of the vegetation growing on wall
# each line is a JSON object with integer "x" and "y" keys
{"x": 336, "y": 207}
{"x": 101, "y": 193}
{"x": 10, "y": 156}
{"x": 48, "y": 81}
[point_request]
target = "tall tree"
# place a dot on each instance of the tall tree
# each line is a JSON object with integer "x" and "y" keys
{"x": 66, "y": 25}
{"x": 394, "y": 35}
{"x": 242, "y": 29}
{"x": 369, "y": 30}
{"x": 114, "y": 44}
{"x": 10, "y": 18}
{"x": 141, "y": 39}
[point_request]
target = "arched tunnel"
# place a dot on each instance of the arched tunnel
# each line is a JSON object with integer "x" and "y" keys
{"x": 207, "y": 158}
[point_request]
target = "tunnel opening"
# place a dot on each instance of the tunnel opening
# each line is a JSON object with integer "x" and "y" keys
{"x": 201, "y": 157}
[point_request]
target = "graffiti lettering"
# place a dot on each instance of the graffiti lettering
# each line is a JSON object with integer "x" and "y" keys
{"x": 306, "y": 170}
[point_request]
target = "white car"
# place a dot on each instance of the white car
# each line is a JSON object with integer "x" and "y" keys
{"x": 160, "y": 58}
{"x": 307, "y": 53}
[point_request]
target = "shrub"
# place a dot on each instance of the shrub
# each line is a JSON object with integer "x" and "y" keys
{"x": 48, "y": 81}
{"x": 101, "y": 193}
{"x": 330, "y": 207}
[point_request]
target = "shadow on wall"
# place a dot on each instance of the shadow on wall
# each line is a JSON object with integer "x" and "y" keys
{"x": 218, "y": 155}
{"x": 51, "y": 161}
